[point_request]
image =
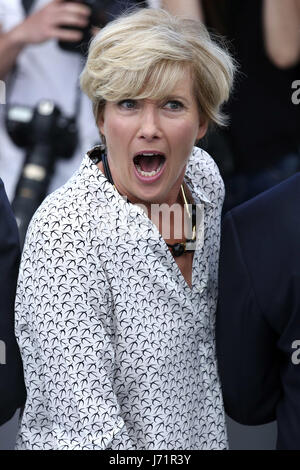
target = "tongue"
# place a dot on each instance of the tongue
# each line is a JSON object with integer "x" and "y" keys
{"x": 149, "y": 163}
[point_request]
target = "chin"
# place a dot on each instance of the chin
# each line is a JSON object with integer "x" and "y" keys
{"x": 150, "y": 195}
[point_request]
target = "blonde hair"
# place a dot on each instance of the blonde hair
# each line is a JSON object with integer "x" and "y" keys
{"x": 142, "y": 54}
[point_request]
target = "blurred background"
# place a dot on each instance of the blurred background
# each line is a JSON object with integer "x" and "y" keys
{"x": 260, "y": 146}
{"x": 46, "y": 125}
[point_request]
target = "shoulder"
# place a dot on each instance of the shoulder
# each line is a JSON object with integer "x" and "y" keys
{"x": 203, "y": 161}
{"x": 8, "y": 226}
{"x": 73, "y": 216}
{"x": 58, "y": 246}
{"x": 268, "y": 222}
{"x": 280, "y": 202}
{"x": 63, "y": 214}
{"x": 3, "y": 197}
{"x": 205, "y": 175}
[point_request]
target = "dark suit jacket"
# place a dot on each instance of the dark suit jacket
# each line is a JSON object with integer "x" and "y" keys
{"x": 12, "y": 389}
{"x": 258, "y": 318}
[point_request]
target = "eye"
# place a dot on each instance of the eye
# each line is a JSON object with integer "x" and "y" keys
{"x": 127, "y": 104}
{"x": 174, "y": 105}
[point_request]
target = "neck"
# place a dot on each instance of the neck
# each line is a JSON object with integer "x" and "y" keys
{"x": 175, "y": 197}
{"x": 171, "y": 224}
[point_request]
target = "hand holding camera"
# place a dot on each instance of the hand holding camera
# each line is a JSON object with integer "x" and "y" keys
{"x": 50, "y": 22}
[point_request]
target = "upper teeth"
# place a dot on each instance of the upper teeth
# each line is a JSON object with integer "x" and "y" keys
{"x": 148, "y": 154}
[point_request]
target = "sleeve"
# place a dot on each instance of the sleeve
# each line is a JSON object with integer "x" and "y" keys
{"x": 2, "y": 16}
{"x": 11, "y": 14}
{"x": 12, "y": 388}
{"x": 246, "y": 344}
{"x": 65, "y": 329}
{"x": 154, "y": 3}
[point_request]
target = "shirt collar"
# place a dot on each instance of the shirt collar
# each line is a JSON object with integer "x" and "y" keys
{"x": 105, "y": 191}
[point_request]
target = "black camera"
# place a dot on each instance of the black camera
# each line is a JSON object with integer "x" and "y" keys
{"x": 102, "y": 12}
{"x": 46, "y": 135}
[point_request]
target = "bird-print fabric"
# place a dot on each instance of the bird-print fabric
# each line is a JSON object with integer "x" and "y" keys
{"x": 118, "y": 350}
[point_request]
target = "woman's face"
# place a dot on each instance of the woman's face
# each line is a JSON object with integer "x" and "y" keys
{"x": 149, "y": 142}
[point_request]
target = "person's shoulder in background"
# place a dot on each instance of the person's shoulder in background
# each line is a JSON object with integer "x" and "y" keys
{"x": 276, "y": 208}
{"x": 12, "y": 388}
{"x": 258, "y": 312}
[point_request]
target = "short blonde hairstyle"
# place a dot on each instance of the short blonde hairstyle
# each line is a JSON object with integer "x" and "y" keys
{"x": 142, "y": 54}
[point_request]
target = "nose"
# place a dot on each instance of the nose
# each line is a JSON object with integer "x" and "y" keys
{"x": 149, "y": 126}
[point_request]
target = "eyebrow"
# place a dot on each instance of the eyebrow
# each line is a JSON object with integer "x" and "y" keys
{"x": 166, "y": 98}
{"x": 177, "y": 97}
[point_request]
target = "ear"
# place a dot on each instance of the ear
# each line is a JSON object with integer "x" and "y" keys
{"x": 202, "y": 129}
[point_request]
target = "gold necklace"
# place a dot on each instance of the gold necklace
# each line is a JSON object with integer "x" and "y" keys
{"x": 179, "y": 249}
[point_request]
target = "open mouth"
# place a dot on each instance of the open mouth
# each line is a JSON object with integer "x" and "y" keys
{"x": 149, "y": 163}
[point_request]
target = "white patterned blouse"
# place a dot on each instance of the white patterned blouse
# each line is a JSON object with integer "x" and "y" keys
{"x": 118, "y": 350}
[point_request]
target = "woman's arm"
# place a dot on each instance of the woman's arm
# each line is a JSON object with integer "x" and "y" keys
{"x": 63, "y": 320}
{"x": 188, "y": 8}
{"x": 281, "y": 22}
{"x": 12, "y": 388}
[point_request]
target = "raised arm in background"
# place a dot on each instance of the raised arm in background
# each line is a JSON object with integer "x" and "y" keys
{"x": 282, "y": 31}
{"x": 39, "y": 27}
{"x": 189, "y": 8}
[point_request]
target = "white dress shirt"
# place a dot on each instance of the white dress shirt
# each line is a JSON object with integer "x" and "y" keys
{"x": 118, "y": 350}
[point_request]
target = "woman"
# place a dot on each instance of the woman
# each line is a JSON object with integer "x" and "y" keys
{"x": 115, "y": 326}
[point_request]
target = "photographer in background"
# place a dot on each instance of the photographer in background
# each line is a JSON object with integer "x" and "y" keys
{"x": 34, "y": 67}
{"x": 47, "y": 123}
